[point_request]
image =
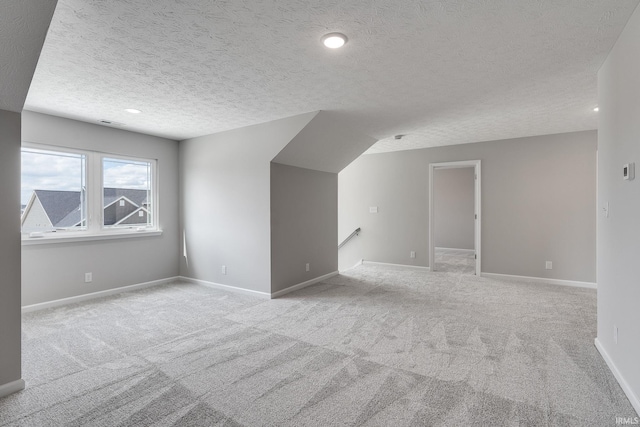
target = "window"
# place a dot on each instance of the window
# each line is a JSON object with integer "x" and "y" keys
{"x": 126, "y": 192}
{"x": 76, "y": 193}
{"x": 53, "y": 195}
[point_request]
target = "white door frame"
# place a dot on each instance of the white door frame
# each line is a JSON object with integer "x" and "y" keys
{"x": 477, "y": 225}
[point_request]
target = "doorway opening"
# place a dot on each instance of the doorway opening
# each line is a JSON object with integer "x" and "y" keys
{"x": 454, "y": 217}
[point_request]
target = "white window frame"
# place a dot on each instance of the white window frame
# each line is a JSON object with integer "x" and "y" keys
{"x": 154, "y": 197}
{"x": 95, "y": 229}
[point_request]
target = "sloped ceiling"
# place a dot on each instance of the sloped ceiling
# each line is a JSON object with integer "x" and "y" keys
{"x": 326, "y": 144}
{"x": 23, "y": 27}
{"x": 441, "y": 72}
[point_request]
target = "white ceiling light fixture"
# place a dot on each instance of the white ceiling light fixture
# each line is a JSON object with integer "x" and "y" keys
{"x": 334, "y": 40}
{"x": 132, "y": 110}
{"x": 596, "y": 109}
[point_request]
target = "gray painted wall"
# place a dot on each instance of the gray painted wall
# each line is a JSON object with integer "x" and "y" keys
{"x": 23, "y": 27}
{"x": 619, "y": 234}
{"x": 453, "y": 194}
{"x": 304, "y": 225}
{"x": 54, "y": 271}
{"x": 10, "y": 321}
{"x": 538, "y": 204}
{"x": 225, "y": 191}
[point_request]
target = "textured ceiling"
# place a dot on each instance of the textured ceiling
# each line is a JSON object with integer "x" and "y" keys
{"x": 442, "y": 72}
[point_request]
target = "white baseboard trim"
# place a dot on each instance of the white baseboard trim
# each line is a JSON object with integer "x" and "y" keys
{"x": 456, "y": 249}
{"x": 633, "y": 399}
{"x": 12, "y": 387}
{"x": 560, "y": 282}
{"x": 94, "y": 295}
{"x": 225, "y": 287}
{"x": 303, "y": 284}
{"x": 388, "y": 264}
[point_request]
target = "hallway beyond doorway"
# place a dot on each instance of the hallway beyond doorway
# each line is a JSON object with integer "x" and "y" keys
{"x": 455, "y": 260}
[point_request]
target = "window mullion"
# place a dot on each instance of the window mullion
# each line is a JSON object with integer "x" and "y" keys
{"x": 155, "y": 189}
{"x": 94, "y": 192}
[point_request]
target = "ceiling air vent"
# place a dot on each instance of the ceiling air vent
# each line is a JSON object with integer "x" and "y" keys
{"x": 110, "y": 123}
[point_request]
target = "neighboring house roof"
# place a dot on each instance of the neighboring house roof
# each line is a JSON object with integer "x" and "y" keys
{"x": 64, "y": 207}
{"x": 131, "y": 218}
{"x": 73, "y": 219}
{"x": 137, "y": 197}
{"x": 59, "y": 205}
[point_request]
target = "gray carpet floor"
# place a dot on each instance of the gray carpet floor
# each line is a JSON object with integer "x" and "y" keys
{"x": 374, "y": 346}
{"x": 455, "y": 261}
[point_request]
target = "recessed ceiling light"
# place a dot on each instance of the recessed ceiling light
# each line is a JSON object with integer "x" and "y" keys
{"x": 596, "y": 109}
{"x": 334, "y": 40}
{"x": 132, "y": 111}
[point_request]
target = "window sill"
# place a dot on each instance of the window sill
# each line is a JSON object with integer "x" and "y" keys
{"x": 85, "y": 237}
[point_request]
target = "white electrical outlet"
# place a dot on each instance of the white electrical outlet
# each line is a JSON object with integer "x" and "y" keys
{"x": 307, "y": 267}
{"x": 373, "y": 209}
{"x": 88, "y": 277}
{"x": 548, "y": 265}
{"x": 412, "y": 254}
{"x": 224, "y": 269}
{"x": 615, "y": 334}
